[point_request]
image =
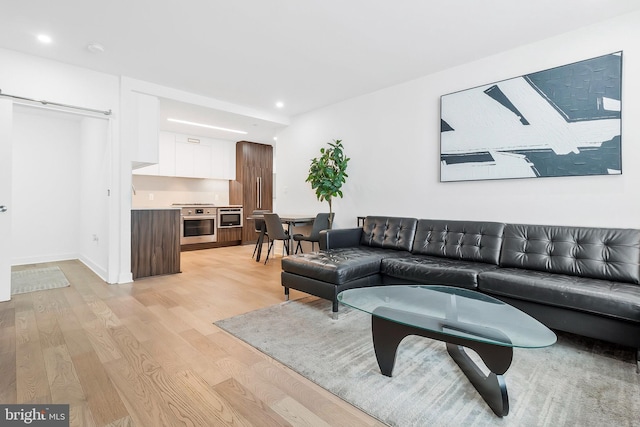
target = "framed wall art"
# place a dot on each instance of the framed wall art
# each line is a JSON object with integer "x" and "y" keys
{"x": 564, "y": 121}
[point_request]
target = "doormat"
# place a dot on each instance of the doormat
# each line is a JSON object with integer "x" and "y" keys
{"x": 37, "y": 279}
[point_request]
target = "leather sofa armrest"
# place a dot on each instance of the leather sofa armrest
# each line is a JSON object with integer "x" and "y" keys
{"x": 340, "y": 238}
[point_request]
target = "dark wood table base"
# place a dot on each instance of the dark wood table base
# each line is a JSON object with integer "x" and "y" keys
{"x": 388, "y": 334}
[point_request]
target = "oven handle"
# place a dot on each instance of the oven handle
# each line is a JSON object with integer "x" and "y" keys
{"x": 190, "y": 217}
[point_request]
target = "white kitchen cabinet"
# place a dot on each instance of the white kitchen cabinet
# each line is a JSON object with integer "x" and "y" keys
{"x": 202, "y": 161}
{"x": 208, "y": 158}
{"x": 143, "y": 119}
{"x": 166, "y": 165}
{"x": 167, "y": 154}
{"x": 193, "y": 160}
{"x": 223, "y": 161}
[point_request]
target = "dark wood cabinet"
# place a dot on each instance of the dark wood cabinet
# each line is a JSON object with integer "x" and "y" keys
{"x": 155, "y": 242}
{"x": 253, "y": 187}
{"x": 229, "y": 235}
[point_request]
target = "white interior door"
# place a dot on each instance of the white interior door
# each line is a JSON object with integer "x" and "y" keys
{"x": 6, "y": 123}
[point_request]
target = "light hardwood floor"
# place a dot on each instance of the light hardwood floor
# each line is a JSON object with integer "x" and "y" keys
{"x": 148, "y": 354}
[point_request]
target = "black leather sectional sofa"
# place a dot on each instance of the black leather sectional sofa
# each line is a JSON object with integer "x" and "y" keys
{"x": 576, "y": 279}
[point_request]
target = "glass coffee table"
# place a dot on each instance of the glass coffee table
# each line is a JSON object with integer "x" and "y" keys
{"x": 459, "y": 317}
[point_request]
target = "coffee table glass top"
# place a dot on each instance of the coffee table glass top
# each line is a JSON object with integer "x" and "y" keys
{"x": 452, "y": 311}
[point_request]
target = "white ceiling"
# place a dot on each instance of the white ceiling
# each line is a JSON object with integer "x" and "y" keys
{"x": 305, "y": 53}
{"x": 258, "y": 130}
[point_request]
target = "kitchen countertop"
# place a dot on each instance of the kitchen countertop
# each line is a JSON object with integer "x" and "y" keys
{"x": 163, "y": 208}
{"x": 155, "y": 208}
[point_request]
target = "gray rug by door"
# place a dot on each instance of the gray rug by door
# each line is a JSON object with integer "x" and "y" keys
{"x": 37, "y": 279}
{"x": 577, "y": 381}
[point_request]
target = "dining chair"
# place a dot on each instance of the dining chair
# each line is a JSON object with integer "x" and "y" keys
{"x": 276, "y": 231}
{"x": 259, "y": 227}
{"x": 321, "y": 222}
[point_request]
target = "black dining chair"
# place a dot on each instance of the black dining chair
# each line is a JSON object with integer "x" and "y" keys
{"x": 259, "y": 227}
{"x": 320, "y": 223}
{"x": 276, "y": 231}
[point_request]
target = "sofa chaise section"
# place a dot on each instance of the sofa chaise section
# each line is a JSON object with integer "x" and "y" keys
{"x": 395, "y": 250}
{"x": 352, "y": 260}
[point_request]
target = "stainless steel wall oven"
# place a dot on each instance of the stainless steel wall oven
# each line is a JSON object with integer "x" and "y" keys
{"x": 198, "y": 224}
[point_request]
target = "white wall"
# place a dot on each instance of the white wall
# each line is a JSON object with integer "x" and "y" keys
{"x": 392, "y": 137}
{"x": 60, "y": 180}
{"x": 46, "y": 184}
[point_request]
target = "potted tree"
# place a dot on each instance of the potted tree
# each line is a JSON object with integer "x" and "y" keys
{"x": 327, "y": 173}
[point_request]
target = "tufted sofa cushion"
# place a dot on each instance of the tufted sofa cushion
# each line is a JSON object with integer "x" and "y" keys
{"x": 431, "y": 270}
{"x": 388, "y": 232}
{"x": 603, "y": 297}
{"x": 598, "y": 253}
{"x": 338, "y": 266}
{"x": 464, "y": 240}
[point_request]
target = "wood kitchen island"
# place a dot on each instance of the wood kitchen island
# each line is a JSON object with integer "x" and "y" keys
{"x": 155, "y": 242}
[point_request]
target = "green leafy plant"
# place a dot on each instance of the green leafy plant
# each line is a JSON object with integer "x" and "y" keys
{"x": 327, "y": 173}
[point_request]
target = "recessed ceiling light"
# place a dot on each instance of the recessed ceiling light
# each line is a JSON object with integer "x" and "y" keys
{"x": 279, "y": 104}
{"x": 43, "y": 38}
{"x": 203, "y": 125}
{"x": 275, "y": 138}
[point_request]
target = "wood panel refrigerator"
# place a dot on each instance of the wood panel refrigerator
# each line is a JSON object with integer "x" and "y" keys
{"x": 253, "y": 187}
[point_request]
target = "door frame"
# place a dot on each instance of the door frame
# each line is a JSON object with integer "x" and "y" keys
{"x": 6, "y": 129}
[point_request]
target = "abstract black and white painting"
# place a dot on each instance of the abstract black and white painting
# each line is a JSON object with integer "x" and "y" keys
{"x": 565, "y": 121}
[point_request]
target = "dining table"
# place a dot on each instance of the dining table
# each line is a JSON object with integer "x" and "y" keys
{"x": 291, "y": 220}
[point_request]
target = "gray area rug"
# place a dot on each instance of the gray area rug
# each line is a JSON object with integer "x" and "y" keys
{"x": 37, "y": 279}
{"x": 576, "y": 382}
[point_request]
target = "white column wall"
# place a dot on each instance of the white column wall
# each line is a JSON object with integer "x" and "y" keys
{"x": 392, "y": 136}
{"x": 95, "y": 166}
